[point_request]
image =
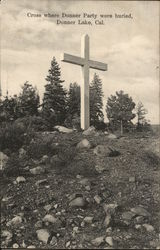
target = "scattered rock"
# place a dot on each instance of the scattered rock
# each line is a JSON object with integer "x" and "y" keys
{"x": 37, "y": 170}
{"x": 109, "y": 241}
{"x": 112, "y": 136}
{"x": 38, "y": 224}
{"x": 149, "y": 228}
{"x": 97, "y": 199}
{"x": 100, "y": 169}
{"x": 68, "y": 244}
{"x": 132, "y": 179}
{"x": 7, "y": 236}
{"x": 53, "y": 241}
{"x": 50, "y": 218}
{"x": 84, "y": 144}
{"x": 22, "y": 152}
{"x": 84, "y": 182}
{"x": 44, "y": 159}
{"x": 48, "y": 207}
{"x": 139, "y": 219}
{"x": 41, "y": 182}
{"x": 137, "y": 226}
{"x": 127, "y": 215}
{"x": 15, "y": 245}
{"x": 15, "y": 221}
{"x": 140, "y": 211}
{"x": 63, "y": 129}
{"x": 87, "y": 188}
{"x": 107, "y": 220}
{"x": 78, "y": 202}
{"x": 110, "y": 208}
{"x": 88, "y": 219}
{"x": 89, "y": 131}
{"x": 101, "y": 150}
{"x": 43, "y": 235}
{"x": 98, "y": 241}
{"x": 20, "y": 179}
{"x": 3, "y": 160}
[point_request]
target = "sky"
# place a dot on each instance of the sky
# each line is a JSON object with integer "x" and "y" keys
{"x": 130, "y": 46}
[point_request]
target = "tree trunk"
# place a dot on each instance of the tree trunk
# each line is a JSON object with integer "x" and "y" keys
{"x": 121, "y": 127}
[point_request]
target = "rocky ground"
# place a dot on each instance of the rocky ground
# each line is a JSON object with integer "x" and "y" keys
{"x": 93, "y": 191}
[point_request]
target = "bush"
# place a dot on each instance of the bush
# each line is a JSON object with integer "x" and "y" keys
{"x": 39, "y": 147}
{"x": 36, "y": 123}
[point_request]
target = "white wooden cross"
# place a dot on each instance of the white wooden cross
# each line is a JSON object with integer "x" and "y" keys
{"x": 86, "y": 63}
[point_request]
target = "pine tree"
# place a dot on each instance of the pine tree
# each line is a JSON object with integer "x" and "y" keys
{"x": 9, "y": 108}
{"x": 119, "y": 109}
{"x": 73, "y": 100}
{"x": 141, "y": 112}
{"x": 96, "y": 101}
{"x": 28, "y": 100}
{"x": 54, "y": 100}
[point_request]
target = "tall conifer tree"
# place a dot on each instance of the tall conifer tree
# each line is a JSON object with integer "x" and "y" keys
{"x": 54, "y": 100}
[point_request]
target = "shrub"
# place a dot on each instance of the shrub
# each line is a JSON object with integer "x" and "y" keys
{"x": 36, "y": 123}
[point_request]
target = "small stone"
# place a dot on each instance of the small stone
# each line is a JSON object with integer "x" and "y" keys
{"x": 98, "y": 241}
{"x": 3, "y": 160}
{"x": 88, "y": 219}
{"x": 88, "y": 188}
{"x": 56, "y": 206}
{"x": 20, "y": 179}
{"x": 112, "y": 136}
{"x": 37, "y": 170}
{"x": 50, "y": 218}
{"x": 43, "y": 235}
{"x": 127, "y": 215}
{"x": 137, "y": 226}
{"x": 15, "y": 221}
{"x": 107, "y": 220}
{"x": 89, "y": 131}
{"x": 84, "y": 182}
{"x": 97, "y": 199}
{"x": 15, "y": 245}
{"x": 78, "y": 176}
{"x": 132, "y": 179}
{"x": 109, "y": 241}
{"x": 48, "y": 207}
{"x": 99, "y": 168}
{"x": 139, "y": 219}
{"x": 63, "y": 129}
{"x": 68, "y": 244}
{"x": 31, "y": 246}
{"x": 53, "y": 241}
{"x": 140, "y": 211}
{"x": 110, "y": 208}
{"x": 84, "y": 144}
{"x": 7, "y": 236}
{"x": 149, "y": 228}
{"x": 75, "y": 229}
{"x": 38, "y": 224}
{"x": 41, "y": 182}
{"x": 78, "y": 202}
{"x": 108, "y": 230}
{"x": 44, "y": 159}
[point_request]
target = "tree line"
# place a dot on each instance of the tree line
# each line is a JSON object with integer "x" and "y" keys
{"x": 62, "y": 107}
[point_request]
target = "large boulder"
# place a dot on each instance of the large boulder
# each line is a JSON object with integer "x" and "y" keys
{"x": 3, "y": 160}
{"x": 37, "y": 170}
{"x": 63, "y": 129}
{"x": 84, "y": 144}
{"x": 112, "y": 136}
{"x": 89, "y": 131}
{"x": 105, "y": 151}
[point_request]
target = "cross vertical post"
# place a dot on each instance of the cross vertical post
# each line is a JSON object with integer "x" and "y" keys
{"x": 85, "y": 63}
{"x": 85, "y": 114}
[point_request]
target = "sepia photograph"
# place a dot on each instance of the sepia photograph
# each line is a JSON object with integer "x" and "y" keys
{"x": 80, "y": 124}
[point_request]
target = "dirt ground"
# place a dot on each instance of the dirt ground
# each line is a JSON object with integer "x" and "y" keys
{"x": 128, "y": 179}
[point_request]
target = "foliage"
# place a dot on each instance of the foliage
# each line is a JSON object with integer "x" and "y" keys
{"x": 73, "y": 99}
{"x": 28, "y": 100}
{"x": 142, "y": 123}
{"x": 9, "y": 109}
{"x": 36, "y": 123}
{"x": 96, "y": 102}
{"x": 54, "y": 100}
{"x": 13, "y": 136}
{"x": 119, "y": 109}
